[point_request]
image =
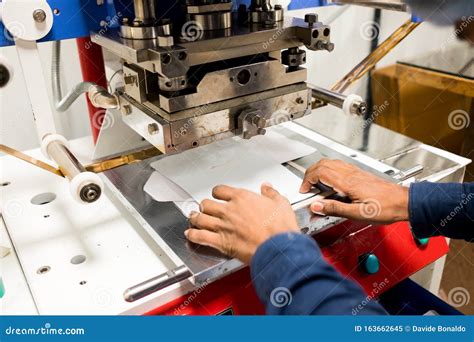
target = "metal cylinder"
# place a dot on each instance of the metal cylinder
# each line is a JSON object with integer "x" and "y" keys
{"x": 156, "y": 283}
{"x": 70, "y": 167}
{"x": 144, "y": 11}
{"x": 357, "y": 107}
{"x": 67, "y": 162}
{"x": 328, "y": 96}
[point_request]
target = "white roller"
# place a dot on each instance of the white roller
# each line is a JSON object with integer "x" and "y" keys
{"x": 49, "y": 139}
{"x": 349, "y": 102}
{"x": 17, "y": 16}
{"x": 81, "y": 180}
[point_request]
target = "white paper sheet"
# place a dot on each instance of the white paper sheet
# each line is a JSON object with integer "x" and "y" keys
{"x": 234, "y": 162}
{"x": 162, "y": 189}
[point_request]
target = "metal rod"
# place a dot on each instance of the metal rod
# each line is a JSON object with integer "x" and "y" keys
{"x": 357, "y": 107}
{"x": 144, "y": 11}
{"x": 156, "y": 283}
{"x": 328, "y": 96}
{"x": 394, "y": 5}
{"x": 67, "y": 162}
{"x": 371, "y": 60}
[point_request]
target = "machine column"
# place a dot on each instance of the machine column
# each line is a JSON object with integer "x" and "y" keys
{"x": 93, "y": 70}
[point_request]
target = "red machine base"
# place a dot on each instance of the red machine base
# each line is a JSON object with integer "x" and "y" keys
{"x": 345, "y": 246}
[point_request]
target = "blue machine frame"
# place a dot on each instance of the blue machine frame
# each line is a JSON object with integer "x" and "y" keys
{"x": 77, "y": 18}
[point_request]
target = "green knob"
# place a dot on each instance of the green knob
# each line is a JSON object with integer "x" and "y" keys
{"x": 369, "y": 263}
{"x": 2, "y": 288}
{"x": 422, "y": 242}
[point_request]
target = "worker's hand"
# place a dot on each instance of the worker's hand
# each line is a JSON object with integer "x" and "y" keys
{"x": 243, "y": 220}
{"x": 373, "y": 199}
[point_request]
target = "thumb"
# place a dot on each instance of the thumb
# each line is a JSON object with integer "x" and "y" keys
{"x": 336, "y": 208}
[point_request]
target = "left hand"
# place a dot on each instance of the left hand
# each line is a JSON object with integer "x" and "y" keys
{"x": 244, "y": 220}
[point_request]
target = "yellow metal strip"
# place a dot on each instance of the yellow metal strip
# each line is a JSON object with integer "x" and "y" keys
{"x": 31, "y": 160}
{"x": 131, "y": 158}
{"x": 97, "y": 167}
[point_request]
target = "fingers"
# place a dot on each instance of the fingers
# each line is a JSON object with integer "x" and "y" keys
{"x": 203, "y": 237}
{"x": 267, "y": 190}
{"x": 325, "y": 174}
{"x": 306, "y": 185}
{"x": 223, "y": 192}
{"x": 212, "y": 208}
{"x": 204, "y": 221}
{"x": 335, "y": 208}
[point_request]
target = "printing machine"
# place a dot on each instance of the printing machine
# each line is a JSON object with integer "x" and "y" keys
{"x": 193, "y": 74}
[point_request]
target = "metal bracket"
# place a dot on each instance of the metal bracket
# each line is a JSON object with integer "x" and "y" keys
{"x": 251, "y": 122}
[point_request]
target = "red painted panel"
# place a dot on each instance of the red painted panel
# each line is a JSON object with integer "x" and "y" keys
{"x": 93, "y": 70}
{"x": 394, "y": 245}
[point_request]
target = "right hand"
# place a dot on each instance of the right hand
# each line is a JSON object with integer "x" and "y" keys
{"x": 373, "y": 199}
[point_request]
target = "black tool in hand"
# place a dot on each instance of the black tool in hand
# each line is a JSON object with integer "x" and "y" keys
{"x": 334, "y": 196}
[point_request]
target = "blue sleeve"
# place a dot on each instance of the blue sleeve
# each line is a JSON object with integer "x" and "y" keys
{"x": 291, "y": 277}
{"x": 442, "y": 209}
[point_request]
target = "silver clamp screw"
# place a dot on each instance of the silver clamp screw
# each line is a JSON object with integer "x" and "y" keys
{"x": 39, "y": 15}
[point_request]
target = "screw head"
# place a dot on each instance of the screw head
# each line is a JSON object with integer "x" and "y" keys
{"x": 311, "y": 18}
{"x": 39, "y": 15}
{"x": 329, "y": 47}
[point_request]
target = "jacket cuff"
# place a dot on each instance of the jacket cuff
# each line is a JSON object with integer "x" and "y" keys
{"x": 270, "y": 264}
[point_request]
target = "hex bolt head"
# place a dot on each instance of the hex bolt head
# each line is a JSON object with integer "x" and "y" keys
{"x": 39, "y": 15}
{"x": 329, "y": 47}
{"x": 311, "y": 18}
